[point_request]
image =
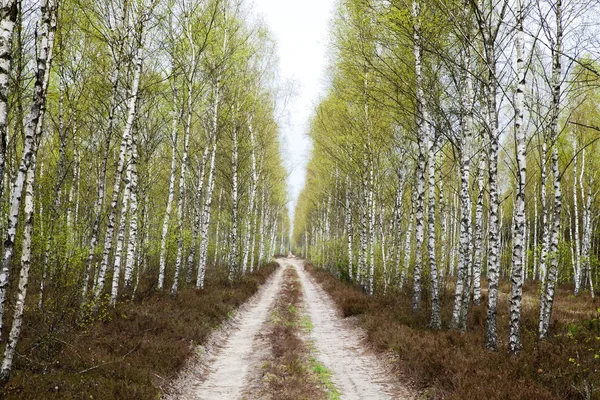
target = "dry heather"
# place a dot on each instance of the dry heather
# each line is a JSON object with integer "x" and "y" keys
{"x": 133, "y": 352}
{"x": 450, "y": 365}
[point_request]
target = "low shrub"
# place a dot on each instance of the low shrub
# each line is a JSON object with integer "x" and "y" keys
{"x": 133, "y": 351}
{"x": 446, "y": 364}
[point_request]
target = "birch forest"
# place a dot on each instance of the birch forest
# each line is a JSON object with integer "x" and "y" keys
{"x": 158, "y": 243}
{"x": 455, "y": 150}
{"x": 139, "y": 149}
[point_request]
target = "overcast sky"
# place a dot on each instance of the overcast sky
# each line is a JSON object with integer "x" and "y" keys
{"x": 300, "y": 28}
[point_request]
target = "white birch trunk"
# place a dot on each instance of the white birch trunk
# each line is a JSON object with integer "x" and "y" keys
{"x": 494, "y": 232}
{"x": 407, "y": 246}
{"x": 115, "y": 81}
{"x": 182, "y": 176}
{"x": 436, "y": 318}
{"x": 250, "y": 222}
{"x": 253, "y": 234}
{"x": 207, "y": 203}
{"x": 576, "y": 236}
{"x": 422, "y": 135}
{"x": 362, "y": 253}
{"x": 535, "y": 236}
{"x": 132, "y": 247}
{"x": 121, "y": 232}
{"x": 33, "y": 132}
{"x": 516, "y": 301}
{"x": 478, "y": 245}
{"x": 371, "y": 202}
{"x": 545, "y": 234}
{"x": 198, "y": 214}
{"x": 132, "y": 111}
{"x": 217, "y": 244}
{"x": 549, "y": 289}
{"x": 261, "y": 228}
{"x": 444, "y": 254}
{"x": 396, "y": 230}
{"x": 233, "y": 252}
{"x": 8, "y": 11}
{"x": 462, "y": 292}
{"x": 170, "y": 197}
{"x": 205, "y": 220}
{"x": 384, "y": 255}
{"x": 586, "y": 242}
{"x": 15, "y": 331}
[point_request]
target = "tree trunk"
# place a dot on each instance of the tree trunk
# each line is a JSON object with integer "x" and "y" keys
{"x": 132, "y": 110}
{"x": 132, "y": 247}
{"x": 114, "y": 104}
{"x": 15, "y": 331}
{"x": 407, "y": 244}
{"x": 545, "y": 233}
{"x": 436, "y": 318}
{"x": 198, "y": 214}
{"x": 422, "y": 136}
{"x": 371, "y": 203}
{"x": 33, "y": 133}
{"x": 555, "y": 111}
{"x": 261, "y": 228}
{"x": 478, "y": 245}
{"x": 207, "y": 203}
{"x": 182, "y": 176}
{"x": 233, "y": 252}
{"x": 9, "y": 9}
{"x": 121, "y": 232}
{"x": 494, "y": 233}
{"x": 250, "y": 221}
{"x": 171, "y": 195}
{"x": 576, "y": 236}
{"x": 516, "y": 301}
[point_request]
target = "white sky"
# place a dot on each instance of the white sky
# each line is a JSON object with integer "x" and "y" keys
{"x": 300, "y": 28}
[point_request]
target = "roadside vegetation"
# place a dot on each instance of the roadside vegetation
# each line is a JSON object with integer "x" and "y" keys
{"x": 444, "y": 364}
{"x": 133, "y": 351}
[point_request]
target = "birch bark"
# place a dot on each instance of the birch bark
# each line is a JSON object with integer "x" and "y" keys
{"x": 132, "y": 248}
{"x": 170, "y": 197}
{"x": 234, "y": 252}
{"x": 15, "y": 331}
{"x": 250, "y": 222}
{"x": 549, "y": 289}
{"x": 576, "y": 235}
{"x": 436, "y": 318}
{"x": 519, "y": 226}
{"x": 121, "y": 232}
{"x": 8, "y": 17}
{"x": 33, "y": 131}
{"x": 183, "y": 172}
{"x": 207, "y": 203}
{"x": 478, "y": 245}
{"x": 422, "y": 136}
{"x": 132, "y": 111}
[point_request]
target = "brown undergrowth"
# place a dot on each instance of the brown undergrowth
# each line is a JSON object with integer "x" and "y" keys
{"x": 137, "y": 347}
{"x": 449, "y": 365}
{"x": 288, "y": 374}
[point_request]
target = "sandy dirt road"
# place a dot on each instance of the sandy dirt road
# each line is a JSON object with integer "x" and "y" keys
{"x": 356, "y": 372}
{"x": 222, "y": 373}
{"x": 233, "y": 358}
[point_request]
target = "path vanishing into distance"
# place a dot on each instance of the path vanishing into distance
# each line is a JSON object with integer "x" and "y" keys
{"x": 230, "y": 366}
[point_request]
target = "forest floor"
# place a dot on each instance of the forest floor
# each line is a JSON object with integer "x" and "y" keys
{"x": 288, "y": 342}
{"x": 448, "y": 364}
{"x": 133, "y": 351}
